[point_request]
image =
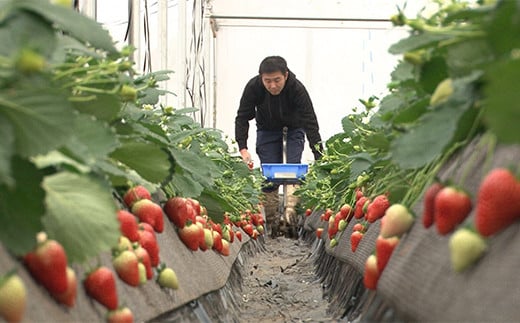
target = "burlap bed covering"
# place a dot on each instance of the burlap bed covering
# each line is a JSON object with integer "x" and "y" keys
{"x": 418, "y": 280}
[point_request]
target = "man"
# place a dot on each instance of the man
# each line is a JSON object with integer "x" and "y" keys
{"x": 276, "y": 99}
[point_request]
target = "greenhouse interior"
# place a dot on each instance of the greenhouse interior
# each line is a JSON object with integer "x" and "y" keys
{"x": 259, "y": 161}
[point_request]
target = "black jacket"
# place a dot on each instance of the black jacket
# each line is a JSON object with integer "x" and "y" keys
{"x": 292, "y": 108}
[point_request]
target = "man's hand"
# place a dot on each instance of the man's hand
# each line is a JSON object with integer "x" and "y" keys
{"x": 246, "y": 157}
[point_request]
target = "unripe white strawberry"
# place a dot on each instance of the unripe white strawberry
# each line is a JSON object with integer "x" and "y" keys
{"x": 396, "y": 221}
{"x": 13, "y": 296}
{"x": 466, "y": 247}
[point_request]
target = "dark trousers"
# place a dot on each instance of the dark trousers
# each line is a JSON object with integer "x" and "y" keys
{"x": 269, "y": 148}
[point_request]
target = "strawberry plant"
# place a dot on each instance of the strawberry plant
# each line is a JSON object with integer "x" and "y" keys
{"x": 79, "y": 126}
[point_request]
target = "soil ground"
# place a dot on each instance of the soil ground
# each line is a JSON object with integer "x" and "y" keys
{"x": 279, "y": 285}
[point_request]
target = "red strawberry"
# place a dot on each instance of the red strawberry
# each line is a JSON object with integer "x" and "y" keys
{"x": 371, "y": 275}
{"x": 195, "y": 204}
{"x": 451, "y": 207}
{"x": 48, "y": 265}
{"x": 68, "y": 298}
{"x": 126, "y": 266}
{"x": 359, "y": 194}
{"x": 498, "y": 202}
{"x": 146, "y": 227}
{"x": 128, "y": 225}
{"x": 238, "y": 234}
{"x": 120, "y": 315}
{"x": 149, "y": 212}
{"x": 358, "y": 227}
{"x": 376, "y": 209}
{"x": 355, "y": 238}
{"x": 191, "y": 235}
{"x": 248, "y": 229}
{"x": 225, "y": 248}
{"x": 319, "y": 232}
{"x": 13, "y": 297}
{"x": 135, "y": 194}
{"x": 217, "y": 241}
{"x": 428, "y": 204}
{"x": 326, "y": 215}
{"x": 308, "y": 212}
{"x": 179, "y": 211}
{"x": 100, "y": 284}
{"x": 384, "y": 249}
{"x": 360, "y": 207}
{"x": 346, "y": 211}
{"x": 148, "y": 241}
{"x": 144, "y": 258}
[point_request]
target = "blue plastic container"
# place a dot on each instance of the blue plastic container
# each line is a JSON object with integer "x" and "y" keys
{"x": 284, "y": 172}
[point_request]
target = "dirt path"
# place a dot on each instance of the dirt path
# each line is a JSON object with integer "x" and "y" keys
{"x": 279, "y": 285}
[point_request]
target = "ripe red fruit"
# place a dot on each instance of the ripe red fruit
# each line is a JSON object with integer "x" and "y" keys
{"x": 498, "y": 202}
{"x": 217, "y": 241}
{"x": 195, "y": 204}
{"x": 238, "y": 234}
{"x": 308, "y": 212}
{"x": 376, "y": 209}
{"x": 191, "y": 235}
{"x": 346, "y": 211}
{"x": 358, "y": 227}
{"x": 149, "y": 242}
{"x": 13, "y": 297}
{"x": 451, "y": 207}
{"x": 135, "y": 194}
{"x": 319, "y": 232}
{"x": 248, "y": 229}
{"x": 355, "y": 238}
{"x": 146, "y": 227}
{"x": 128, "y": 225}
{"x": 384, "y": 249}
{"x": 144, "y": 258}
{"x": 100, "y": 284}
{"x": 360, "y": 207}
{"x": 48, "y": 265}
{"x": 428, "y": 204}
{"x": 179, "y": 211}
{"x": 225, "y": 248}
{"x": 371, "y": 275}
{"x": 149, "y": 212}
{"x": 126, "y": 265}
{"x": 120, "y": 315}
{"x": 68, "y": 298}
{"x": 359, "y": 194}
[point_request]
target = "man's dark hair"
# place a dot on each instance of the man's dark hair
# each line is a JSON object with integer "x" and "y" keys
{"x": 272, "y": 64}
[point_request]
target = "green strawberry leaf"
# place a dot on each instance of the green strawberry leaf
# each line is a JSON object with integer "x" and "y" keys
{"x": 41, "y": 118}
{"x": 19, "y": 33}
{"x": 184, "y": 184}
{"x": 347, "y": 125}
{"x": 105, "y": 107}
{"x": 215, "y": 204}
{"x": 91, "y": 140}
{"x": 360, "y": 163}
{"x": 81, "y": 215}
{"x": 202, "y": 169}
{"x": 21, "y": 208}
{"x": 417, "y": 42}
{"x": 149, "y": 161}
{"x": 76, "y": 24}
{"x": 501, "y": 112}
{"x": 6, "y": 151}
{"x": 119, "y": 175}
